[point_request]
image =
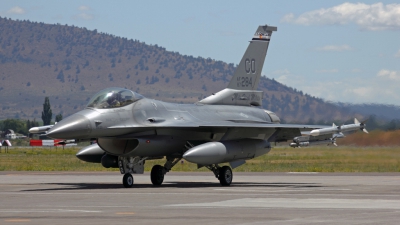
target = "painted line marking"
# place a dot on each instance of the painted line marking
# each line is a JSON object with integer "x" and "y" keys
{"x": 125, "y": 213}
{"x": 300, "y": 203}
{"x": 302, "y": 172}
{"x": 262, "y": 191}
{"x": 196, "y": 193}
{"x": 282, "y": 190}
{"x": 17, "y": 220}
{"x": 49, "y": 210}
{"x": 88, "y": 206}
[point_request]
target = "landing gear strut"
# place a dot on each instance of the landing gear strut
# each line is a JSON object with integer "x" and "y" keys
{"x": 158, "y": 172}
{"x": 128, "y": 165}
{"x": 223, "y": 174}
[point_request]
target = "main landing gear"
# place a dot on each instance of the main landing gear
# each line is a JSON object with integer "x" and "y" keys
{"x": 157, "y": 172}
{"x": 223, "y": 174}
{"x": 157, "y": 175}
{"x": 127, "y": 180}
{"x": 129, "y": 165}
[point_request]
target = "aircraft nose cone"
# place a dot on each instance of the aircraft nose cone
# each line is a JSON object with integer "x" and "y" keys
{"x": 73, "y": 127}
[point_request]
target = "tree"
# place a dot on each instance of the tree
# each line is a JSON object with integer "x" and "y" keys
{"x": 34, "y": 123}
{"x": 59, "y": 117}
{"x": 18, "y": 126}
{"x": 29, "y": 125}
{"x": 46, "y": 113}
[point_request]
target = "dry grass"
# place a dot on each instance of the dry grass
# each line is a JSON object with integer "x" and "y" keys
{"x": 280, "y": 159}
{"x": 327, "y": 159}
{"x": 374, "y": 138}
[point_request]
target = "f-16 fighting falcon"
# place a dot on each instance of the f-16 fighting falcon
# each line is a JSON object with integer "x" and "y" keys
{"x": 227, "y": 127}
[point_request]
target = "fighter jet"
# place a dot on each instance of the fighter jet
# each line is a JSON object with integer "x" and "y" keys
{"x": 227, "y": 127}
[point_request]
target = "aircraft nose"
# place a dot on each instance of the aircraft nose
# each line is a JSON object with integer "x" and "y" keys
{"x": 73, "y": 127}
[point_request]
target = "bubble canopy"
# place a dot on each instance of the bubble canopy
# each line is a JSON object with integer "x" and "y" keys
{"x": 113, "y": 98}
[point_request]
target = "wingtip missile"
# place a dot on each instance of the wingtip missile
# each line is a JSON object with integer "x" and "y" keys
{"x": 338, "y": 129}
{"x": 36, "y": 130}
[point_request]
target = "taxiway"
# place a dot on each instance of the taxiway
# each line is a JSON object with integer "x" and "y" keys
{"x": 198, "y": 198}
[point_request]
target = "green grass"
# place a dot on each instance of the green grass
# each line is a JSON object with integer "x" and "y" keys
{"x": 280, "y": 159}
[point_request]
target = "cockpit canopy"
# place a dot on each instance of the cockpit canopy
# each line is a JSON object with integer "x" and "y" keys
{"x": 113, "y": 98}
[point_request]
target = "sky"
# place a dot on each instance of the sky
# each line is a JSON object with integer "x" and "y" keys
{"x": 335, "y": 50}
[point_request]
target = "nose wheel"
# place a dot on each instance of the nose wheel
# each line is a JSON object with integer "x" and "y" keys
{"x": 127, "y": 180}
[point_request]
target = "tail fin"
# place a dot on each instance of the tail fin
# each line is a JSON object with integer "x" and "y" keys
{"x": 248, "y": 72}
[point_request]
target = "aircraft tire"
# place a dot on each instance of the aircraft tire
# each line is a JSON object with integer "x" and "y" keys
{"x": 127, "y": 180}
{"x": 157, "y": 175}
{"x": 225, "y": 176}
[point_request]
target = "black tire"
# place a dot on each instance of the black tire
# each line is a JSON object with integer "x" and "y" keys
{"x": 225, "y": 176}
{"x": 157, "y": 175}
{"x": 127, "y": 180}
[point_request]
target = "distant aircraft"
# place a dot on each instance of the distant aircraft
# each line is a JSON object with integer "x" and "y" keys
{"x": 227, "y": 127}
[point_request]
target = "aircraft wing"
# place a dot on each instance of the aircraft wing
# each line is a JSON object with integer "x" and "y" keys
{"x": 263, "y": 125}
{"x": 232, "y": 130}
{"x": 280, "y": 132}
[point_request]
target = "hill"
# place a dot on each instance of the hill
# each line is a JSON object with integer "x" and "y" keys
{"x": 70, "y": 64}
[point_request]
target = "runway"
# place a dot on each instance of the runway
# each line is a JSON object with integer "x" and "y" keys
{"x": 198, "y": 198}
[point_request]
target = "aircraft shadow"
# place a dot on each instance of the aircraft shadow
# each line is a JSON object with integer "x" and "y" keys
{"x": 104, "y": 186}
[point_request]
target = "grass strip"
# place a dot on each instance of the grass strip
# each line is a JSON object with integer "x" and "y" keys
{"x": 280, "y": 159}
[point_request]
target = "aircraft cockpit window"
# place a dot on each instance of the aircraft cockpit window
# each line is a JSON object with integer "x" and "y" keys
{"x": 113, "y": 98}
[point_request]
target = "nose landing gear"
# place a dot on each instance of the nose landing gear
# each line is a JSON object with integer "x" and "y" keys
{"x": 128, "y": 165}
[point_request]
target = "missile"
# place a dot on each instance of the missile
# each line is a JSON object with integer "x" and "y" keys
{"x": 338, "y": 129}
{"x": 36, "y": 130}
{"x": 304, "y": 141}
{"x": 65, "y": 142}
{"x": 312, "y": 143}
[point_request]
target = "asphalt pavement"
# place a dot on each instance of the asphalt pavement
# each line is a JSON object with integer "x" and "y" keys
{"x": 197, "y": 198}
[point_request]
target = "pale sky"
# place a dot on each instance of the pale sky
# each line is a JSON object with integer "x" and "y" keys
{"x": 335, "y": 50}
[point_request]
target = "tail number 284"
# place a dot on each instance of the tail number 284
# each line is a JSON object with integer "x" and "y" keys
{"x": 244, "y": 81}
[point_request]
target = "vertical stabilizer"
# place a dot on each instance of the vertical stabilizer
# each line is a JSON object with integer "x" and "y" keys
{"x": 248, "y": 72}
